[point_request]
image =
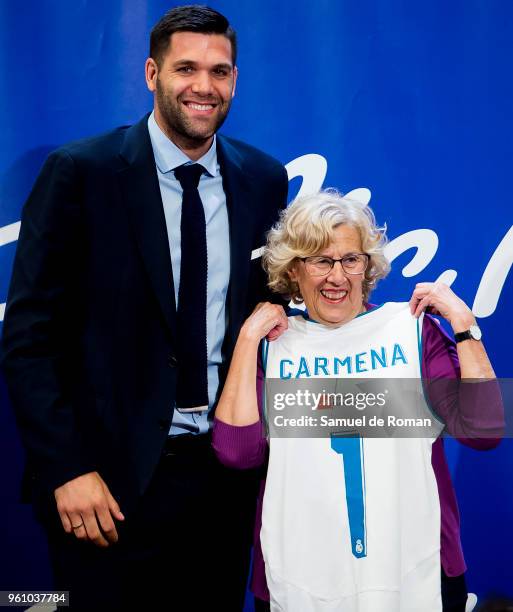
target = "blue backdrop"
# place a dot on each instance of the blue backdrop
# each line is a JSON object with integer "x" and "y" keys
{"x": 409, "y": 100}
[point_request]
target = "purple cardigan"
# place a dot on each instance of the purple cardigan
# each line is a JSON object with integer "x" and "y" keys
{"x": 246, "y": 447}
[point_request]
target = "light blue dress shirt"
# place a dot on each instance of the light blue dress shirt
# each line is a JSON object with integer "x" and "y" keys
{"x": 167, "y": 157}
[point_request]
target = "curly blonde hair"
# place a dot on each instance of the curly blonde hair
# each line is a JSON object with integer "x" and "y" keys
{"x": 306, "y": 227}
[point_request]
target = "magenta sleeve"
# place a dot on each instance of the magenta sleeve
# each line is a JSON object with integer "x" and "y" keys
{"x": 440, "y": 361}
{"x": 468, "y": 409}
{"x": 242, "y": 447}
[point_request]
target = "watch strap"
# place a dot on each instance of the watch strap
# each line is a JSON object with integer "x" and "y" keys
{"x": 460, "y": 336}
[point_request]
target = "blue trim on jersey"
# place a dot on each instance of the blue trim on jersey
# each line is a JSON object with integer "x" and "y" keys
{"x": 362, "y": 450}
{"x": 424, "y": 392}
{"x": 295, "y": 312}
{"x": 351, "y": 449}
{"x": 306, "y": 317}
{"x": 265, "y": 351}
{"x": 370, "y": 310}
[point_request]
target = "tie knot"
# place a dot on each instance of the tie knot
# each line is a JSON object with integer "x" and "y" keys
{"x": 189, "y": 175}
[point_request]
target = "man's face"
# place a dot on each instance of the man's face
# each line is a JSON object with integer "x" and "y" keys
{"x": 194, "y": 85}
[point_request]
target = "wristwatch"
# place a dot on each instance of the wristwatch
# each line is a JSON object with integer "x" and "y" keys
{"x": 473, "y": 333}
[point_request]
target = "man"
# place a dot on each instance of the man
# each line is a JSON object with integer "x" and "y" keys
{"x": 132, "y": 277}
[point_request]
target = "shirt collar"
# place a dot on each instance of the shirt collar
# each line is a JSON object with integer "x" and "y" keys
{"x": 168, "y": 156}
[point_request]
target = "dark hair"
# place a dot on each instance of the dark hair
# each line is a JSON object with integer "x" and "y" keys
{"x": 190, "y": 18}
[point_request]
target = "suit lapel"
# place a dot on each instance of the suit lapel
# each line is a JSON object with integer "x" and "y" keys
{"x": 236, "y": 185}
{"x": 141, "y": 196}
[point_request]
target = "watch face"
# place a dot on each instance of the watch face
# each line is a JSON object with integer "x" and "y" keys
{"x": 475, "y": 332}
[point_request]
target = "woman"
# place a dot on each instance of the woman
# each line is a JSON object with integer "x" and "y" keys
{"x": 327, "y": 252}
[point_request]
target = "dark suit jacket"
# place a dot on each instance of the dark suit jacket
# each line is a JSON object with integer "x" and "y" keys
{"x": 89, "y": 331}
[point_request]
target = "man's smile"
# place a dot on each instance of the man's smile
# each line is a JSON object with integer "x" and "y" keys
{"x": 200, "y": 107}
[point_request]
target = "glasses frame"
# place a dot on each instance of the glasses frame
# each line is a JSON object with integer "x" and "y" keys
{"x": 334, "y": 261}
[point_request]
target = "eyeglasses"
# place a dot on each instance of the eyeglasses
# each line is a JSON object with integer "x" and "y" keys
{"x": 352, "y": 263}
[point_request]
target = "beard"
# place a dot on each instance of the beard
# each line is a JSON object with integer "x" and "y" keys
{"x": 177, "y": 121}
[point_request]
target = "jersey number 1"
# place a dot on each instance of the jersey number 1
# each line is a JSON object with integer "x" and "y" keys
{"x": 351, "y": 449}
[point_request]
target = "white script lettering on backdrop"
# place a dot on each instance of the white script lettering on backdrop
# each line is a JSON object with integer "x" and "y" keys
{"x": 312, "y": 168}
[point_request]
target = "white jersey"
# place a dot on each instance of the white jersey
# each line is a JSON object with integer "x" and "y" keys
{"x": 351, "y": 525}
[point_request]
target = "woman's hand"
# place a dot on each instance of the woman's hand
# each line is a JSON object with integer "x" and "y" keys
{"x": 238, "y": 403}
{"x": 440, "y": 299}
{"x": 266, "y": 320}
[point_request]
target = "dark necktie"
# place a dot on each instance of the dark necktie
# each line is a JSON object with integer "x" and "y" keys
{"x": 192, "y": 383}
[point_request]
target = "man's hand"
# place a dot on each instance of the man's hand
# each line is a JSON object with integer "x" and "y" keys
{"x": 87, "y": 509}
